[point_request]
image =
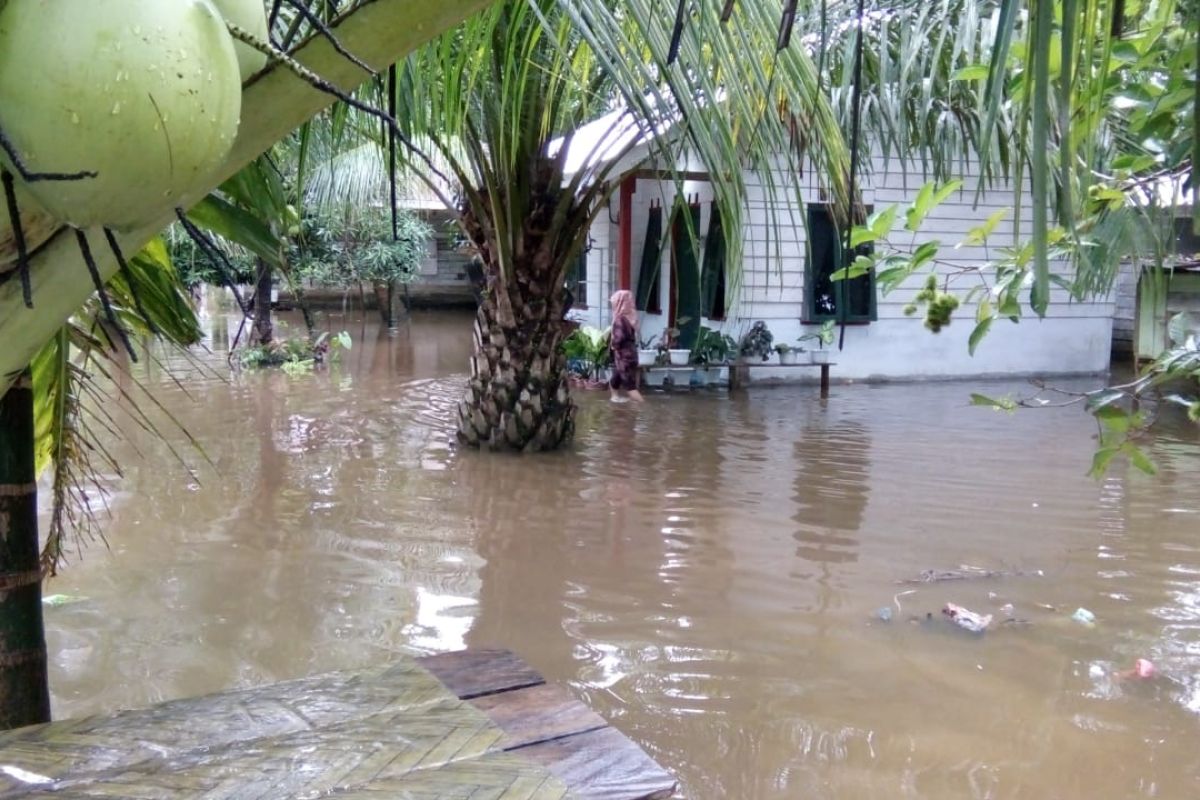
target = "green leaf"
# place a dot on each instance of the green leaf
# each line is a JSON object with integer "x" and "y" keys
{"x": 861, "y": 266}
{"x": 977, "y": 335}
{"x": 1138, "y": 458}
{"x": 980, "y": 233}
{"x": 1010, "y": 307}
{"x": 1115, "y": 419}
{"x": 947, "y": 189}
{"x": 1101, "y": 460}
{"x": 861, "y": 235}
{"x": 1000, "y": 404}
{"x": 975, "y": 72}
{"x": 922, "y": 204}
{"x": 925, "y": 253}
{"x": 1133, "y": 162}
{"x": 881, "y": 222}
{"x": 984, "y": 309}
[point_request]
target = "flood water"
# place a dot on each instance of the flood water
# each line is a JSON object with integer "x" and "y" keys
{"x": 703, "y": 570}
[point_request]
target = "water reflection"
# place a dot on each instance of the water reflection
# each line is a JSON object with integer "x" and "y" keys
{"x": 702, "y": 570}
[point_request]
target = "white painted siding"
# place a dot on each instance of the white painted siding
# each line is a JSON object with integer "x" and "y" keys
{"x": 1074, "y": 337}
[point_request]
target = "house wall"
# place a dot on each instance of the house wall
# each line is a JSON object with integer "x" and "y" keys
{"x": 442, "y": 280}
{"x": 1072, "y": 338}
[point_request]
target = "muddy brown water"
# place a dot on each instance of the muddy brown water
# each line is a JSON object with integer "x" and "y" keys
{"x": 703, "y": 570}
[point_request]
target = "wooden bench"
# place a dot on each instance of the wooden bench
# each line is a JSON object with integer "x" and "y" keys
{"x": 739, "y": 373}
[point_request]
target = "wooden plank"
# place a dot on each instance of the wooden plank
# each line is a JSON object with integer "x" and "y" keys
{"x": 538, "y": 714}
{"x": 602, "y": 765}
{"x": 477, "y": 673}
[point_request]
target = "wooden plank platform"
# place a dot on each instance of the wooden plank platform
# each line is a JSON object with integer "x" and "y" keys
{"x": 471, "y": 724}
{"x": 547, "y": 725}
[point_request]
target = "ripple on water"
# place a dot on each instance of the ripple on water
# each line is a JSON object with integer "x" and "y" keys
{"x": 703, "y": 570}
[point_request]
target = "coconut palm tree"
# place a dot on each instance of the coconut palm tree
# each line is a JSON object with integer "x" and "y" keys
{"x": 500, "y": 99}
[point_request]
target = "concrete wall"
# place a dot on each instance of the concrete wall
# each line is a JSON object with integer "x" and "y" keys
{"x": 1125, "y": 311}
{"x": 1074, "y": 338}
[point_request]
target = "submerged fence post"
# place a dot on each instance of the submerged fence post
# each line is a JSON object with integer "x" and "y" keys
{"x": 24, "y": 685}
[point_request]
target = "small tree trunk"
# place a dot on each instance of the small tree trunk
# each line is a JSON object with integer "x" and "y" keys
{"x": 301, "y": 300}
{"x": 263, "y": 329}
{"x": 385, "y": 300}
{"x": 518, "y": 397}
{"x": 24, "y": 685}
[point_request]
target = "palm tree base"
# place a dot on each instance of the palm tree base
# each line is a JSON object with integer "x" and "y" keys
{"x": 518, "y": 397}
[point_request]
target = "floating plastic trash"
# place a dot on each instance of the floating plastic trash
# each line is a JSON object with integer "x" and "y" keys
{"x": 884, "y": 613}
{"x": 61, "y": 599}
{"x": 1008, "y": 610}
{"x": 1144, "y": 668}
{"x": 966, "y": 619}
{"x": 1084, "y": 617}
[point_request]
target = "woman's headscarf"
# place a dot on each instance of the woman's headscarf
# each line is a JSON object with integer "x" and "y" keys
{"x": 622, "y": 306}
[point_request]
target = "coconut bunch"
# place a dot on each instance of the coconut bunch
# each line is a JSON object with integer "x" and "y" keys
{"x": 113, "y": 110}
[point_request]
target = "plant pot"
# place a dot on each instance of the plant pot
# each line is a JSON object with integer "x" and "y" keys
{"x": 646, "y": 358}
{"x": 821, "y": 356}
{"x": 679, "y": 358}
{"x": 786, "y": 359}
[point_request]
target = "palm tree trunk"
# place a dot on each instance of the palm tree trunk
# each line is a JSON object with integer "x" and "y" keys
{"x": 263, "y": 329}
{"x": 518, "y": 397}
{"x": 24, "y": 687}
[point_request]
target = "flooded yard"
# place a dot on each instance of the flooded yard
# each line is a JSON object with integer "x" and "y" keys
{"x": 706, "y": 571}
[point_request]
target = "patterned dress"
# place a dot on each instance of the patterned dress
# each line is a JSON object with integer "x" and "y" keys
{"x": 624, "y": 348}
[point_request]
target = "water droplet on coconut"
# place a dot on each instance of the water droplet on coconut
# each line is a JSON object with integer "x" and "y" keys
{"x": 116, "y": 108}
{"x": 74, "y": 118}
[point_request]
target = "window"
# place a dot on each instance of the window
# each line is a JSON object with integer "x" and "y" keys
{"x": 823, "y": 296}
{"x": 577, "y": 280}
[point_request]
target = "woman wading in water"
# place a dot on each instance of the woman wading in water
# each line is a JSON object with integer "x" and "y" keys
{"x": 624, "y": 345}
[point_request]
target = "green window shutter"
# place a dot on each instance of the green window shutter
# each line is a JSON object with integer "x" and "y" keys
{"x": 823, "y": 296}
{"x": 712, "y": 279}
{"x": 647, "y": 284}
{"x": 688, "y": 308}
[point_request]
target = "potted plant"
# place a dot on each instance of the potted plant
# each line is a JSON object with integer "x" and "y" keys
{"x": 647, "y": 352}
{"x": 675, "y": 356}
{"x": 713, "y": 348}
{"x": 790, "y": 355}
{"x": 822, "y": 336}
{"x": 588, "y": 355}
{"x": 757, "y": 342}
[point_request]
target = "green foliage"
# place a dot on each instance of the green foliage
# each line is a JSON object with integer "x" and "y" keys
{"x": 587, "y": 348}
{"x": 196, "y": 268}
{"x": 757, "y": 342}
{"x": 712, "y": 347}
{"x": 823, "y": 336}
{"x": 74, "y": 375}
{"x": 341, "y": 249}
{"x": 296, "y": 355}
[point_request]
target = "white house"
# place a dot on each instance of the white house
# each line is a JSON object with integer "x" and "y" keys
{"x": 782, "y": 287}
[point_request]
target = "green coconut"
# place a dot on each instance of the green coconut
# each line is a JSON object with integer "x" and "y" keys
{"x": 145, "y": 93}
{"x": 250, "y": 16}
